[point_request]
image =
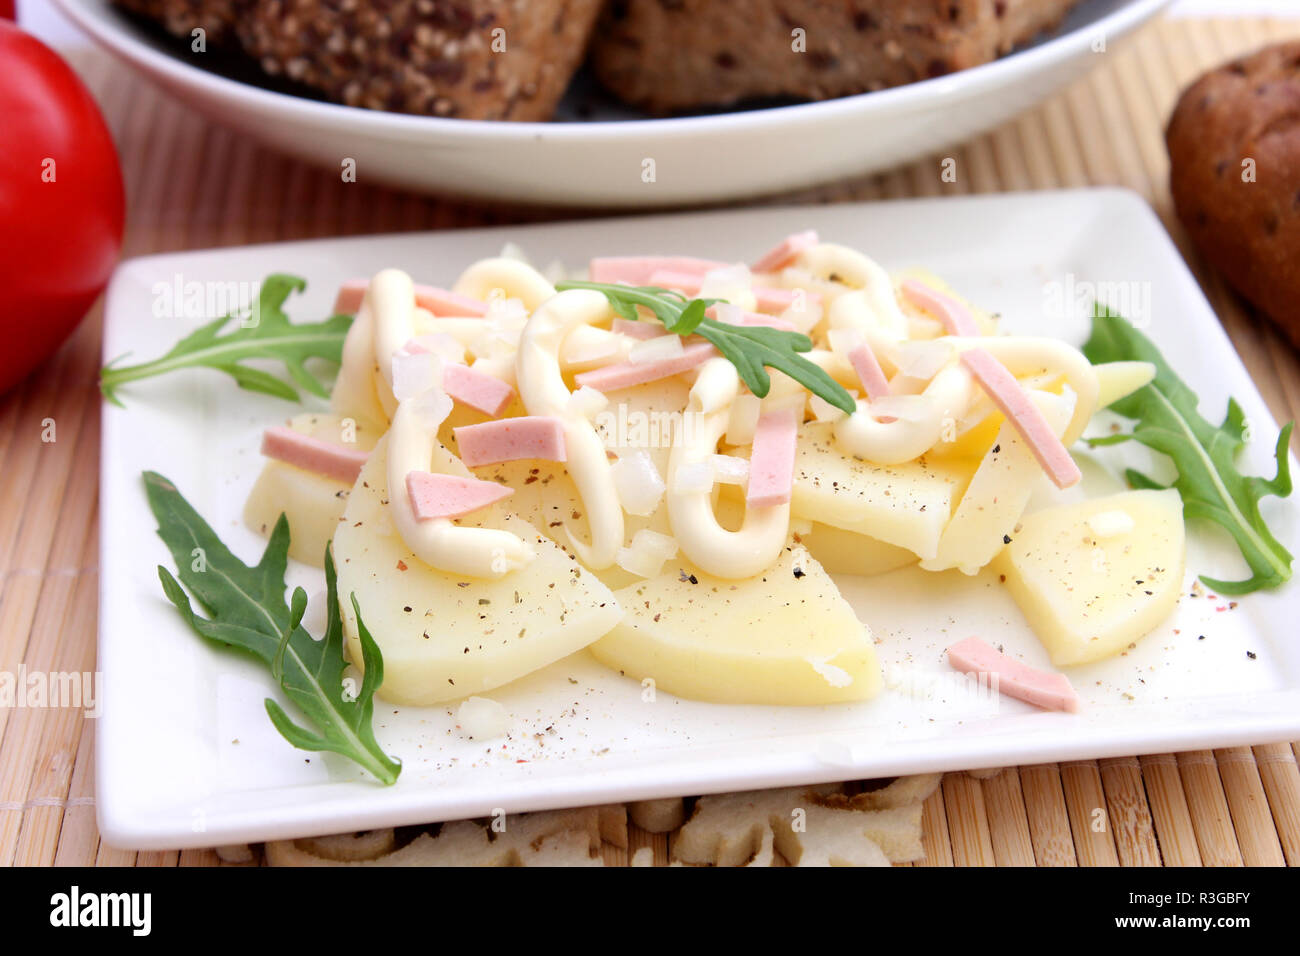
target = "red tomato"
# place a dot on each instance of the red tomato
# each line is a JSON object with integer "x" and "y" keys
{"x": 62, "y": 203}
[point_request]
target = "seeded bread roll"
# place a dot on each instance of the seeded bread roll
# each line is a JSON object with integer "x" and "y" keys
{"x": 1234, "y": 149}
{"x": 472, "y": 59}
{"x": 668, "y": 56}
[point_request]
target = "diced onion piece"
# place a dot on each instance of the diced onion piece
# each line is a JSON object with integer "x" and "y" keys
{"x": 803, "y": 315}
{"x": 844, "y": 340}
{"x": 512, "y": 251}
{"x": 652, "y": 542}
{"x": 504, "y": 321}
{"x": 447, "y": 348}
{"x": 785, "y": 393}
{"x": 729, "y": 469}
{"x": 647, "y": 553}
{"x": 494, "y": 343}
{"x": 482, "y": 719}
{"x": 639, "y": 485}
{"x": 693, "y": 478}
{"x": 1111, "y": 524}
{"x": 415, "y": 373}
{"x": 507, "y": 312}
{"x": 431, "y": 408}
{"x": 637, "y": 562}
{"x": 729, "y": 314}
{"x": 824, "y": 411}
{"x": 658, "y": 349}
{"x": 730, "y": 283}
{"x": 587, "y": 402}
{"x": 744, "y": 417}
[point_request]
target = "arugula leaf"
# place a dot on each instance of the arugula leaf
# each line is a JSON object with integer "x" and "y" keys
{"x": 1208, "y": 480}
{"x": 245, "y": 609}
{"x": 263, "y": 333}
{"x": 750, "y": 348}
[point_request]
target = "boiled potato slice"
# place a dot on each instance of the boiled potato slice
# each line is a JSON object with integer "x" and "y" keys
{"x": 1096, "y": 576}
{"x": 998, "y": 492}
{"x": 846, "y": 552}
{"x": 1115, "y": 380}
{"x": 972, "y": 444}
{"x": 907, "y": 505}
{"x": 782, "y": 637}
{"x": 313, "y": 503}
{"x": 546, "y": 497}
{"x": 355, "y": 394}
{"x": 444, "y": 636}
{"x": 649, "y": 417}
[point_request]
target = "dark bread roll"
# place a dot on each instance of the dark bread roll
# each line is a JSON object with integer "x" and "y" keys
{"x": 425, "y": 56}
{"x": 672, "y": 55}
{"x": 1234, "y": 150}
{"x": 471, "y": 59}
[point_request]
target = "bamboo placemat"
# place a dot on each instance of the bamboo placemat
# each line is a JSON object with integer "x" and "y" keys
{"x": 193, "y": 185}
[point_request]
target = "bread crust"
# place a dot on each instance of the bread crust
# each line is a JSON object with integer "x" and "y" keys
{"x": 669, "y": 56}
{"x": 1234, "y": 148}
{"x": 182, "y": 17}
{"x": 470, "y": 59}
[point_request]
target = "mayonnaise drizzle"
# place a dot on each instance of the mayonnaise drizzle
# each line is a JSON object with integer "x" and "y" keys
{"x": 502, "y": 278}
{"x": 944, "y": 401}
{"x": 762, "y": 535}
{"x": 873, "y": 303}
{"x": 561, "y": 336}
{"x": 392, "y": 302}
{"x": 354, "y": 390}
{"x": 480, "y": 552}
{"x": 543, "y": 391}
{"x": 872, "y": 311}
{"x": 412, "y": 446}
{"x": 952, "y": 395}
{"x": 1025, "y": 356}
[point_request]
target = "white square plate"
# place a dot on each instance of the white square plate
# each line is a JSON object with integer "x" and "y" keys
{"x": 187, "y": 757}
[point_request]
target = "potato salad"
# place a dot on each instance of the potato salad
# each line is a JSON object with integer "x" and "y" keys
{"x": 665, "y": 459}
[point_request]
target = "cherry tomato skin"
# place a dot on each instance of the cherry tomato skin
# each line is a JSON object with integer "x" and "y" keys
{"x": 62, "y": 203}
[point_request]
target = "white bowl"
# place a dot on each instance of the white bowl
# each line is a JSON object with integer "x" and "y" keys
{"x": 710, "y": 158}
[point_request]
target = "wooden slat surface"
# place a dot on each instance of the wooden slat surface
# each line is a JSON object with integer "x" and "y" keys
{"x": 192, "y": 185}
